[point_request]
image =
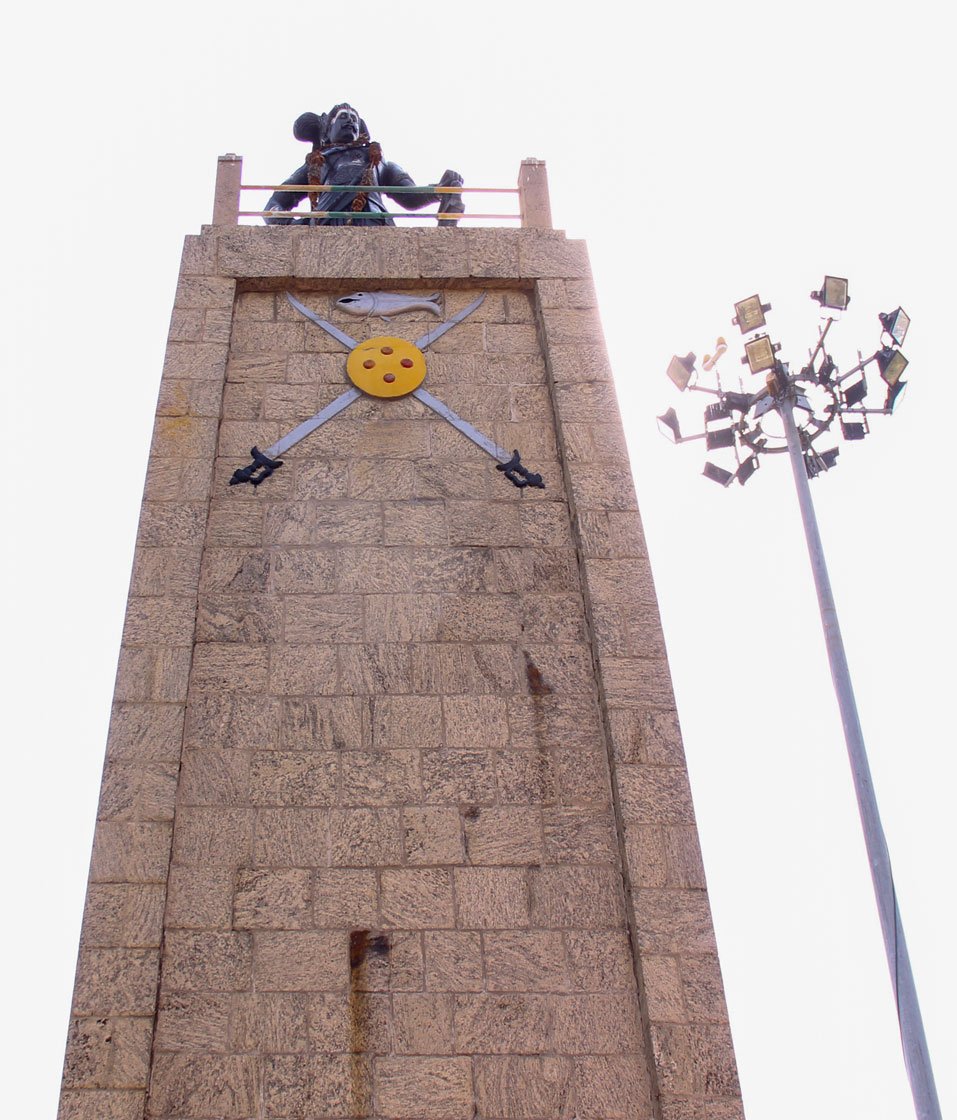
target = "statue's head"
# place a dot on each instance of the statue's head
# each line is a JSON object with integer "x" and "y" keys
{"x": 341, "y": 125}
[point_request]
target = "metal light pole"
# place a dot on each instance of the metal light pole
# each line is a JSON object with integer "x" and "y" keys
{"x": 782, "y": 394}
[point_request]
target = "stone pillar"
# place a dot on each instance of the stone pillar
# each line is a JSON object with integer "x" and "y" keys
{"x": 229, "y": 171}
{"x": 395, "y": 818}
{"x": 534, "y": 205}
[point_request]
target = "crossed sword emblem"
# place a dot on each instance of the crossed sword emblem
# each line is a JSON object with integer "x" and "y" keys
{"x": 265, "y": 462}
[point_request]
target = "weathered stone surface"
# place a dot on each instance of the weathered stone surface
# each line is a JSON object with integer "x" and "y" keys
{"x": 358, "y": 794}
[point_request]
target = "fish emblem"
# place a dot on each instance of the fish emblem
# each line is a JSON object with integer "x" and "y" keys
{"x": 387, "y": 304}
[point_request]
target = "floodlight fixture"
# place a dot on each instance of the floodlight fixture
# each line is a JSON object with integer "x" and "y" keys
{"x": 759, "y": 354}
{"x": 892, "y": 364}
{"x": 718, "y": 474}
{"x": 681, "y": 370}
{"x": 894, "y": 394}
{"x": 853, "y": 431}
{"x": 669, "y": 427}
{"x": 896, "y": 324}
{"x": 826, "y": 371}
{"x": 833, "y": 293}
{"x": 749, "y": 314}
{"x": 747, "y": 468}
{"x": 855, "y": 394}
{"x": 723, "y": 437}
{"x": 716, "y": 411}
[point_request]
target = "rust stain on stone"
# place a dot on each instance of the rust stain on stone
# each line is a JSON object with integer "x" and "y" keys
{"x": 537, "y": 685}
{"x": 363, "y": 945}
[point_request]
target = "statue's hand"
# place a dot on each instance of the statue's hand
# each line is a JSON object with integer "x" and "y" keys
{"x": 451, "y": 179}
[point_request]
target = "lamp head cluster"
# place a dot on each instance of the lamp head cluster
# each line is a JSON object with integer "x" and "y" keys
{"x": 743, "y": 422}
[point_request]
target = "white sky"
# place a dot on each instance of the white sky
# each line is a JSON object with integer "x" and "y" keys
{"x": 735, "y": 149}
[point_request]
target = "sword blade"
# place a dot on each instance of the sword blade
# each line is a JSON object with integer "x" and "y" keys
{"x": 463, "y": 426}
{"x": 308, "y": 426}
{"x": 436, "y": 332}
{"x": 338, "y": 335}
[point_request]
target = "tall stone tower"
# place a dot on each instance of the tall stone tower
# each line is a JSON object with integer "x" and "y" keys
{"x": 395, "y": 819}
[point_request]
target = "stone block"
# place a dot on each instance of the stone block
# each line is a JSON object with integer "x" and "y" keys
{"x": 458, "y": 776}
{"x": 492, "y": 897}
{"x": 101, "y": 1104}
{"x": 422, "y": 1023}
{"x": 406, "y": 721}
{"x": 365, "y": 837}
{"x": 138, "y": 791}
{"x": 425, "y": 1088}
{"x": 417, "y": 899}
{"x": 194, "y": 1086}
{"x": 213, "y": 837}
{"x": 292, "y": 778}
{"x": 600, "y": 960}
{"x": 230, "y": 666}
{"x": 695, "y": 1059}
{"x": 664, "y": 997}
{"x": 503, "y": 1024}
{"x": 503, "y": 835}
{"x": 301, "y": 961}
{"x": 613, "y": 1087}
{"x": 232, "y": 721}
{"x": 455, "y": 668}
{"x": 304, "y": 670}
{"x": 416, "y": 522}
{"x": 244, "y": 251}
{"x": 245, "y": 618}
{"x": 270, "y": 1022}
{"x": 577, "y": 897}
{"x": 527, "y": 961}
{"x": 374, "y": 668}
{"x": 292, "y": 837}
{"x": 325, "y": 724}
{"x": 200, "y": 898}
{"x": 380, "y": 778}
{"x": 273, "y": 899}
{"x": 327, "y": 1085}
{"x": 130, "y": 852}
{"x": 479, "y": 618}
{"x": 524, "y": 1088}
{"x": 598, "y": 1023}
{"x": 655, "y": 794}
{"x": 200, "y": 361}
{"x": 207, "y": 961}
{"x": 108, "y": 1053}
{"x": 432, "y": 835}
{"x": 345, "y": 898}
{"x": 360, "y": 1021}
{"x": 116, "y": 981}
{"x": 166, "y": 571}
{"x": 126, "y": 915}
{"x": 146, "y": 732}
{"x": 673, "y": 921}
{"x": 453, "y": 961}
{"x": 546, "y": 254}
{"x": 211, "y": 777}
{"x": 205, "y": 291}
{"x": 295, "y": 571}
{"x": 580, "y": 836}
{"x": 193, "y": 1021}
{"x": 402, "y": 618}
{"x": 476, "y": 722}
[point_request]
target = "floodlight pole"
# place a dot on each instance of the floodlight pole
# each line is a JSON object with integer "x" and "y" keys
{"x": 913, "y": 1040}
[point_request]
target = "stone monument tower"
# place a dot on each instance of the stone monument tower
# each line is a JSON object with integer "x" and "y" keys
{"x": 395, "y": 820}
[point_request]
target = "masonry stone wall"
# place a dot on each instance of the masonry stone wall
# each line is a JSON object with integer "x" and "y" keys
{"x": 395, "y": 820}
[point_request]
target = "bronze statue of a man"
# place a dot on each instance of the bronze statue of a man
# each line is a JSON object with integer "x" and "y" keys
{"x": 343, "y": 155}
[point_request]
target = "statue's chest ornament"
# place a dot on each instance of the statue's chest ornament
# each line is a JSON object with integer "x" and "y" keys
{"x": 386, "y": 367}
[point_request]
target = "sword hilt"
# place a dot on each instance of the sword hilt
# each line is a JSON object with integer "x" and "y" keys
{"x": 261, "y": 463}
{"x": 518, "y": 474}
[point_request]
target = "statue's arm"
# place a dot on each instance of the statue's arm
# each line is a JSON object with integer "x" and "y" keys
{"x": 392, "y": 175}
{"x": 288, "y": 200}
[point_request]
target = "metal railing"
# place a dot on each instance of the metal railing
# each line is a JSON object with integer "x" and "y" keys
{"x": 532, "y": 192}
